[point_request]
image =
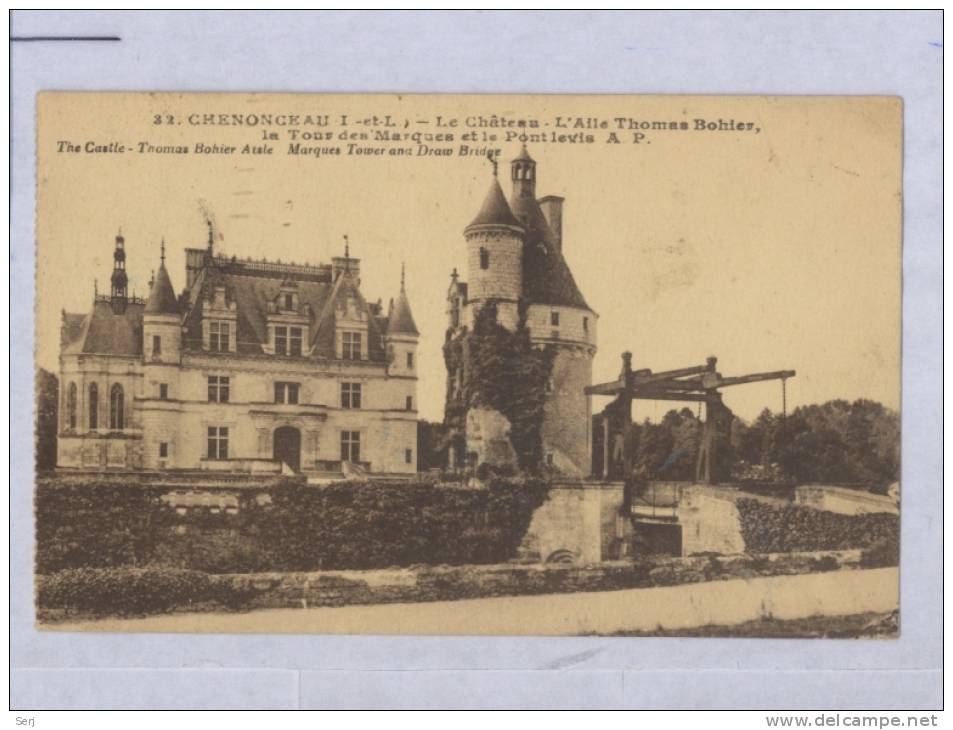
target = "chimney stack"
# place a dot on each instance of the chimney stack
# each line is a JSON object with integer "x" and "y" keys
{"x": 552, "y": 206}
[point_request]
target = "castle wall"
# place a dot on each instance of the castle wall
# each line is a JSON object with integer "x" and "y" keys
{"x": 503, "y": 278}
{"x": 576, "y": 326}
{"x": 567, "y": 429}
{"x": 102, "y": 447}
{"x": 181, "y": 421}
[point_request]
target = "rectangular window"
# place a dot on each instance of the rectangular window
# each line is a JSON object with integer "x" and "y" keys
{"x": 163, "y": 391}
{"x": 410, "y": 403}
{"x": 289, "y": 302}
{"x": 351, "y": 345}
{"x": 163, "y": 450}
{"x": 350, "y": 395}
{"x": 554, "y": 319}
{"x": 484, "y": 259}
{"x": 409, "y": 456}
{"x": 156, "y": 345}
{"x": 218, "y": 336}
{"x": 350, "y": 445}
{"x": 286, "y": 392}
{"x": 288, "y": 341}
{"x": 218, "y": 388}
{"x": 410, "y": 361}
{"x": 585, "y": 324}
{"x": 218, "y": 442}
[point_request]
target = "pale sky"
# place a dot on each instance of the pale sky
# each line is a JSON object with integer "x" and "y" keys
{"x": 772, "y": 249}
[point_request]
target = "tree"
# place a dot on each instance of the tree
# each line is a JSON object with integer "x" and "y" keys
{"x": 432, "y": 441}
{"x": 47, "y": 416}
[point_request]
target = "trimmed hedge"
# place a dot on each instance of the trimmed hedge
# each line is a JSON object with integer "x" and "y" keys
{"x": 360, "y": 526}
{"x": 122, "y": 591}
{"x": 97, "y": 524}
{"x": 340, "y": 526}
{"x": 770, "y": 529}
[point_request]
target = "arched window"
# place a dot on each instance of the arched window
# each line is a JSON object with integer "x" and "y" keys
{"x": 484, "y": 259}
{"x": 93, "y": 406}
{"x": 116, "y": 408}
{"x": 71, "y": 406}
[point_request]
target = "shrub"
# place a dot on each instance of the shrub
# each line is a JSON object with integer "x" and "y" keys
{"x": 339, "y": 526}
{"x": 770, "y": 529}
{"x": 883, "y": 554}
{"x": 97, "y": 524}
{"x": 122, "y": 591}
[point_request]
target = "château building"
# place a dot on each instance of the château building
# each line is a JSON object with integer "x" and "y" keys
{"x": 514, "y": 258}
{"x": 255, "y": 365}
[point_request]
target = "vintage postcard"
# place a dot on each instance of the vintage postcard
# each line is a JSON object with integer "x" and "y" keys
{"x": 511, "y": 365}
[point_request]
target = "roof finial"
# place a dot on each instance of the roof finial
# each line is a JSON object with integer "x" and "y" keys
{"x": 162, "y": 251}
{"x": 492, "y": 159}
{"x": 347, "y": 253}
{"x": 152, "y": 278}
{"x": 454, "y": 275}
{"x": 401, "y": 277}
{"x": 95, "y": 288}
{"x": 211, "y": 236}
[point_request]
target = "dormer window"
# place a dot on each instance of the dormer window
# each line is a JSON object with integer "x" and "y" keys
{"x": 219, "y": 335}
{"x": 351, "y": 345}
{"x": 288, "y": 341}
{"x": 289, "y": 302}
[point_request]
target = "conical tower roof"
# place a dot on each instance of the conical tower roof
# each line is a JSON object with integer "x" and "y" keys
{"x": 495, "y": 210}
{"x": 162, "y": 295}
{"x": 401, "y": 319}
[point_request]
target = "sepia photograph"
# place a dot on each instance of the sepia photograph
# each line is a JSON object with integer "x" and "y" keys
{"x": 522, "y": 365}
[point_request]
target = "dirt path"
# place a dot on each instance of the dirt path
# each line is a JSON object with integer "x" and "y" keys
{"x": 727, "y": 602}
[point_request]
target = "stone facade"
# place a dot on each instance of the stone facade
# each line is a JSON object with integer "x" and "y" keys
{"x": 255, "y": 364}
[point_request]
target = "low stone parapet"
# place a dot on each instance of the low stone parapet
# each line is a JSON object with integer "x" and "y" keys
{"x": 441, "y": 583}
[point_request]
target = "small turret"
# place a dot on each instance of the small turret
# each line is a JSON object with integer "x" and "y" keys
{"x": 401, "y": 339}
{"x": 523, "y": 173}
{"x": 162, "y": 325}
{"x": 401, "y": 320}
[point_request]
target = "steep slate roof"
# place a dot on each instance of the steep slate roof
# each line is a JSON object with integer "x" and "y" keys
{"x": 495, "y": 209}
{"x": 72, "y": 328}
{"x": 251, "y": 291}
{"x": 103, "y": 332}
{"x": 162, "y": 296}
{"x": 546, "y": 275}
{"x": 401, "y": 319}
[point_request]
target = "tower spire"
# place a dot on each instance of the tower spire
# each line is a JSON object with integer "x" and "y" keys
{"x": 119, "y": 279}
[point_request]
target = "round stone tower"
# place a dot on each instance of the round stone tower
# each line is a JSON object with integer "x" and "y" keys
{"x": 558, "y": 318}
{"x": 495, "y": 257}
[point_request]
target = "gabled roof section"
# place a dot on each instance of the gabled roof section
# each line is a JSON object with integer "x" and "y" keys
{"x": 322, "y": 334}
{"x": 103, "y": 332}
